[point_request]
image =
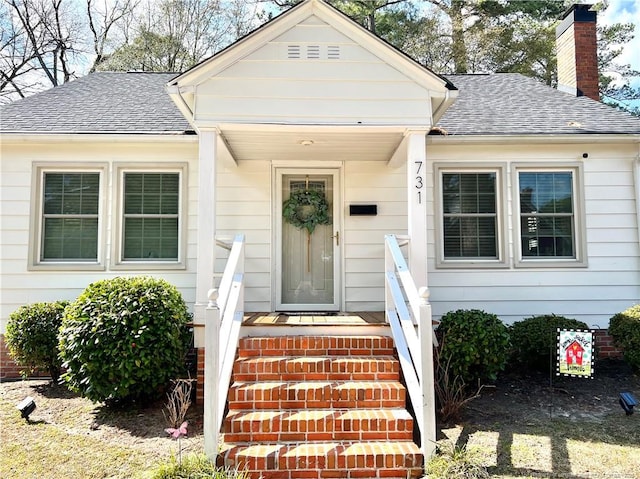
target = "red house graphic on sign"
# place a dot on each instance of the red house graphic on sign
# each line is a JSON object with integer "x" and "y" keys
{"x": 574, "y": 353}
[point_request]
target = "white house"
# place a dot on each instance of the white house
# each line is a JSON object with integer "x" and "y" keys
{"x": 517, "y": 198}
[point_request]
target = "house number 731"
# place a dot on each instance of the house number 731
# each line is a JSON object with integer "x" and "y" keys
{"x": 419, "y": 184}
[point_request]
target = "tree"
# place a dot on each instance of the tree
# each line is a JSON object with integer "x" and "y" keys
{"x": 102, "y": 22}
{"x": 174, "y": 35}
{"x": 51, "y": 30}
{"x": 46, "y": 42}
{"x": 16, "y": 55}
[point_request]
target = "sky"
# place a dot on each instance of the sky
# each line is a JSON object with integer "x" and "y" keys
{"x": 626, "y": 11}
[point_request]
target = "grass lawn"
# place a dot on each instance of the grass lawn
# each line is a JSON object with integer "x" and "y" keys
{"x": 513, "y": 430}
{"x": 559, "y": 448}
{"x": 70, "y": 437}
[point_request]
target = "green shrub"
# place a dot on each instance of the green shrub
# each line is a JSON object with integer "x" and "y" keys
{"x": 124, "y": 339}
{"x": 534, "y": 340}
{"x": 194, "y": 466}
{"x": 474, "y": 345}
{"x": 32, "y": 337}
{"x": 625, "y": 329}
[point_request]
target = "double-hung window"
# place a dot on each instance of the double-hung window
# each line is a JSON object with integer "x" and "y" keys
{"x": 151, "y": 217}
{"x": 549, "y": 216}
{"x": 470, "y": 216}
{"x": 68, "y": 217}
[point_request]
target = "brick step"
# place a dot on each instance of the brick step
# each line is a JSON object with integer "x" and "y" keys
{"x": 316, "y": 346}
{"x": 279, "y": 395}
{"x": 371, "y": 459}
{"x": 318, "y": 425}
{"x": 316, "y": 368}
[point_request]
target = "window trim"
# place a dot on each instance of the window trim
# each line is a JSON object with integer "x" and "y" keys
{"x": 580, "y": 240}
{"x": 499, "y": 168}
{"x": 36, "y": 230}
{"x": 117, "y": 243}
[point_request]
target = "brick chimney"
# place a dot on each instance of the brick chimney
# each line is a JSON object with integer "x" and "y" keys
{"x": 577, "y": 52}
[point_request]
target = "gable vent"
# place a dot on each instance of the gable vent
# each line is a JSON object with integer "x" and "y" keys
{"x": 313, "y": 51}
{"x": 293, "y": 51}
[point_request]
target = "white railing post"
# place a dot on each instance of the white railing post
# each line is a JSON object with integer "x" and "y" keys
{"x": 428, "y": 376}
{"x": 211, "y": 424}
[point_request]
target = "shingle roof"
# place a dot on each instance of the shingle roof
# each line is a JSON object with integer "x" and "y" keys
{"x": 496, "y": 104}
{"x": 104, "y": 102}
{"x": 512, "y": 104}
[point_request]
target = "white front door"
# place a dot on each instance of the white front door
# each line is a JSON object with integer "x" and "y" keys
{"x": 307, "y": 240}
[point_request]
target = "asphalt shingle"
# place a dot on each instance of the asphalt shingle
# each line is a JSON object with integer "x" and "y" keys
{"x": 495, "y": 104}
{"x": 103, "y": 102}
{"x": 512, "y": 104}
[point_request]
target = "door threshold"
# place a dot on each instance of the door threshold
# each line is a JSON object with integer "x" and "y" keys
{"x": 314, "y": 319}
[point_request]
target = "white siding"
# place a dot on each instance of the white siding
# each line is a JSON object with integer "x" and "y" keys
{"x": 370, "y": 182}
{"x": 244, "y": 206}
{"x": 18, "y": 284}
{"x": 343, "y": 83}
{"x": 609, "y": 284}
{"x": 611, "y": 281}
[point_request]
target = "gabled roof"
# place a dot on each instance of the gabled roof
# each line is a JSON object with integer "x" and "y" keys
{"x": 289, "y": 18}
{"x": 183, "y": 89}
{"x": 102, "y": 102}
{"x": 137, "y": 103}
{"x": 512, "y": 104}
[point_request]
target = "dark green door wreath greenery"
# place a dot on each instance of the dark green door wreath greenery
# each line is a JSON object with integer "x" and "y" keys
{"x": 306, "y": 209}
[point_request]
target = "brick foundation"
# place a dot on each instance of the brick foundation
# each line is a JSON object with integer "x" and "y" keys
{"x": 605, "y": 347}
{"x": 9, "y": 369}
{"x": 200, "y": 377}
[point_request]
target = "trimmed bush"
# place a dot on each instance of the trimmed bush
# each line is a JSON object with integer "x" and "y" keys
{"x": 534, "y": 340}
{"x": 625, "y": 329}
{"x": 474, "y": 345}
{"x": 124, "y": 339}
{"x": 32, "y": 337}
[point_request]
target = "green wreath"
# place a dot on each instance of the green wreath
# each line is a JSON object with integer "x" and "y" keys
{"x": 306, "y": 209}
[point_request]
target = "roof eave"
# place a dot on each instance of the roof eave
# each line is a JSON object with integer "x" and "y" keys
{"x": 603, "y": 138}
{"x": 89, "y": 137}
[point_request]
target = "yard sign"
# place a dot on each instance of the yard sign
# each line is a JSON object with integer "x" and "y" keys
{"x": 575, "y": 353}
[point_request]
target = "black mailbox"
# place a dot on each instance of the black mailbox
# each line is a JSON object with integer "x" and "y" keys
{"x": 363, "y": 210}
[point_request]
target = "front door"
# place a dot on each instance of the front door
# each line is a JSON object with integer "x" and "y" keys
{"x": 308, "y": 240}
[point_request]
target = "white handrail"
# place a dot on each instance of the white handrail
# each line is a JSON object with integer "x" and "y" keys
{"x": 415, "y": 349}
{"x": 223, "y": 319}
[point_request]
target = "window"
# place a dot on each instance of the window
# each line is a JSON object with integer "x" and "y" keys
{"x": 151, "y": 217}
{"x": 549, "y": 221}
{"x": 66, "y": 223}
{"x": 470, "y": 218}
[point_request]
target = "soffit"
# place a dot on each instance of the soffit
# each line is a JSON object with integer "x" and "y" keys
{"x": 311, "y": 144}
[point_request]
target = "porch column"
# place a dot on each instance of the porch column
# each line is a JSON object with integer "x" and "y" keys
{"x": 417, "y": 205}
{"x": 206, "y": 228}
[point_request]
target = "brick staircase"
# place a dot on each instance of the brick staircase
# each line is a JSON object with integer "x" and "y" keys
{"x": 319, "y": 407}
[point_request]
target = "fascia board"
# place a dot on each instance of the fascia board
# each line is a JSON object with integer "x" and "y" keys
{"x": 79, "y": 137}
{"x": 534, "y": 139}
